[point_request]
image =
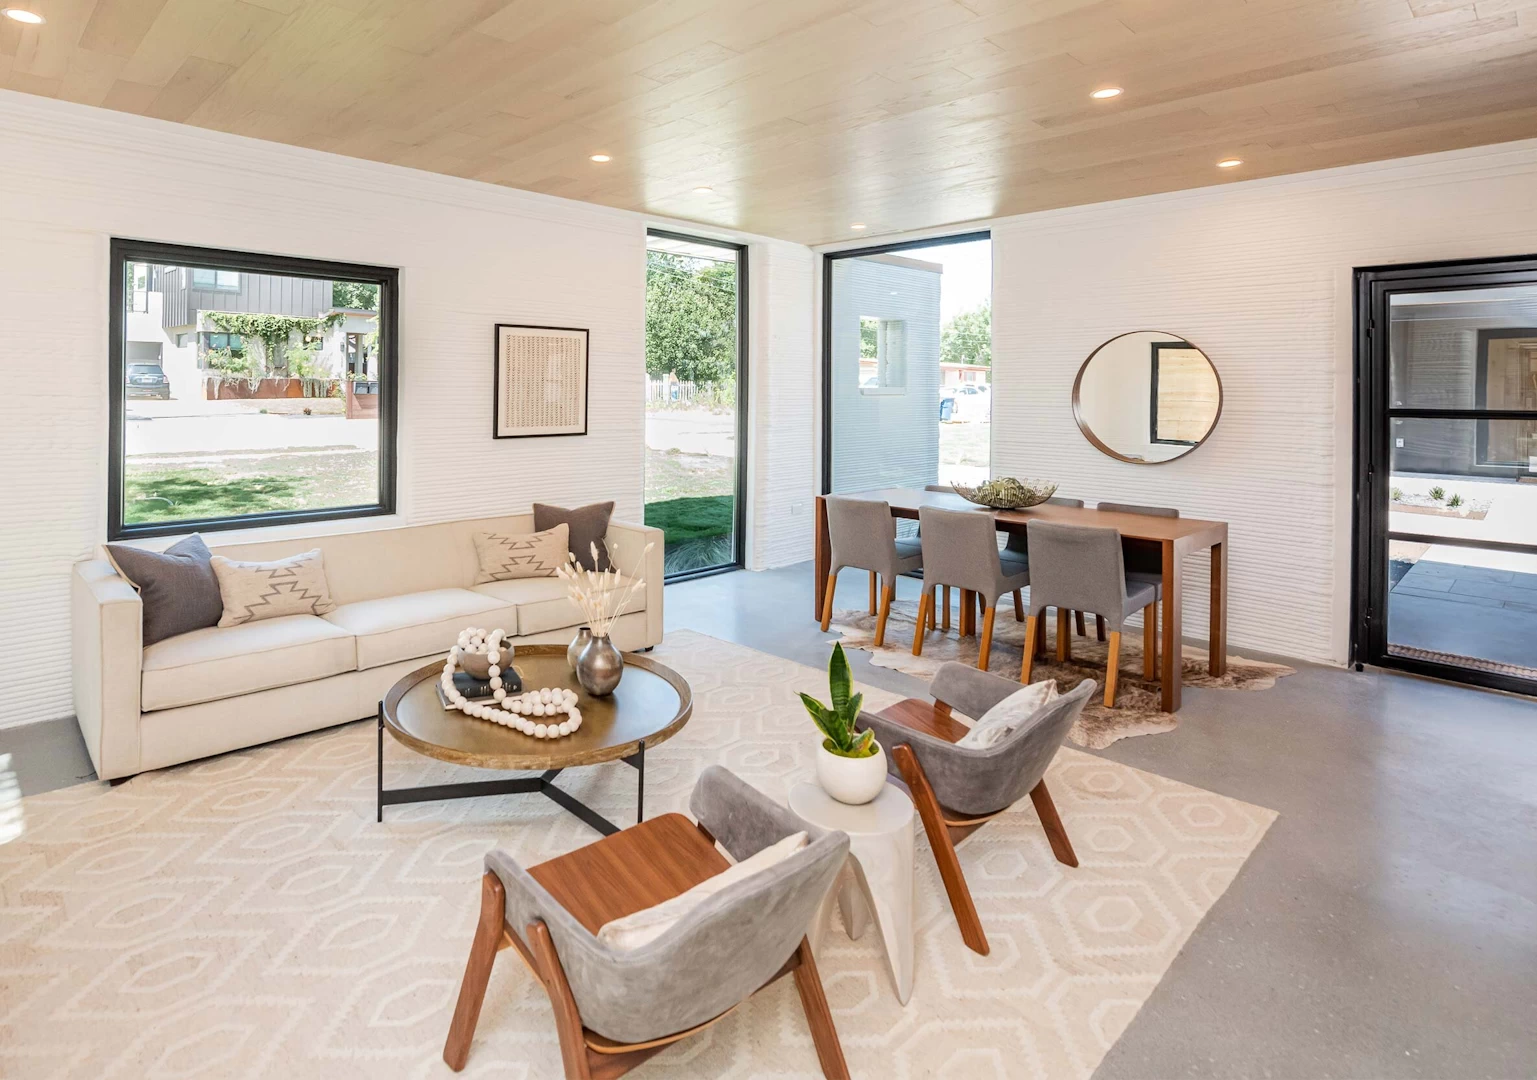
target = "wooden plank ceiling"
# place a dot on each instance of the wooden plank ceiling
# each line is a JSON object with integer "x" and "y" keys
{"x": 806, "y": 116}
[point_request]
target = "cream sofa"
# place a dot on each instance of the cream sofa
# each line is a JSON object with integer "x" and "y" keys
{"x": 402, "y": 597}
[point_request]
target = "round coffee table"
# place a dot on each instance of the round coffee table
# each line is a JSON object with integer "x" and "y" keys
{"x": 650, "y": 705}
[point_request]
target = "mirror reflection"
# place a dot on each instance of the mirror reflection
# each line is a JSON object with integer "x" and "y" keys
{"x": 1147, "y": 397}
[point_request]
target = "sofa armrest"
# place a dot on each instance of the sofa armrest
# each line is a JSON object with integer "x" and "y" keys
{"x": 626, "y": 543}
{"x": 107, "y": 637}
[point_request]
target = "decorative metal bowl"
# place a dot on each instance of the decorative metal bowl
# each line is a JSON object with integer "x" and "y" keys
{"x": 1007, "y": 493}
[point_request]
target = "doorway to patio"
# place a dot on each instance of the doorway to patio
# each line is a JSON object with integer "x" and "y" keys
{"x": 1446, "y": 525}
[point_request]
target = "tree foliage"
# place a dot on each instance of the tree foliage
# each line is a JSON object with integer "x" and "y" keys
{"x": 690, "y": 318}
{"x": 968, "y": 338}
{"x": 355, "y": 294}
{"x": 273, "y": 331}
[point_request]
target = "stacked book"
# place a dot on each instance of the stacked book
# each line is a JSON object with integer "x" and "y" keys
{"x": 480, "y": 689}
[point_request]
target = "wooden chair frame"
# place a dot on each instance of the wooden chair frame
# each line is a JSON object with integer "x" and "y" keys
{"x": 586, "y": 1054}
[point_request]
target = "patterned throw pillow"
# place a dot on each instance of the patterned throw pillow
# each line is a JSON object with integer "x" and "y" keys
{"x": 1006, "y": 717}
{"x": 504, "y": 556}
{"x": 264, "y": 590}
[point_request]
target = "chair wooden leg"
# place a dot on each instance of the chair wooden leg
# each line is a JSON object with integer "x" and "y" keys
{"x": 874, "y": 589}
{"x": 568, "y": 1022}
{"x": 827, "y": 602}
{"x": 1150, "y": 642}
{"x": 1099, "y": 627}
{"x": 1019, "y": 607}
{"x": 947, "y": 607}
{"x": 1034, "y": 625}
{"x": 1112, "y": 668}
{"x": 477, "y": 971}
{"x": 926, "y": 599}
{"x": 944, "y": 849}
{"x": 1061, "y": 847}
{"x": 1064, "y": 636}
{"x": 1078, "y": 624}
{"x": 985, "y": 650}
{"x": 887, "y": 595}
{"x": 818, "y": 1016}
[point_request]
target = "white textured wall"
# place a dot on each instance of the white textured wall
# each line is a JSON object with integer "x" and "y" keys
{"x": 470, "y": 255}
{"x": 1258, "y": 275}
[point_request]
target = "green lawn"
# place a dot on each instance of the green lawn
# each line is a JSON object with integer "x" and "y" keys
{"x": 164, "y": 490}
{"x": 697, "y": 531}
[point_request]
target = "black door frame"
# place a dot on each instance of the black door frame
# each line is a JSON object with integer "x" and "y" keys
{"x": 828, "y": 258}
{"x": 1374, "y": 287}
{"x": 739, "y": 499}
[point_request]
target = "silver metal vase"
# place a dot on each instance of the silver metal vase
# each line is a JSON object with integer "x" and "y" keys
{"x": 599, "y": 666}
{"x": 578, "y": 643}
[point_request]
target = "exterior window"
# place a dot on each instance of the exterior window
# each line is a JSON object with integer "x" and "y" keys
{"x": 266, "y": 428}
{"x": 882, "y": 354}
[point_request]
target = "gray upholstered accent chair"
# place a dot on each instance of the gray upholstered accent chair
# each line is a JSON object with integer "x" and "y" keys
{"x": 1081, "y": 568}
{"x": 960, "y": 549}
{"x": 958, "y": 789}
{"x": 615, "y": 1008}
{"x": 864, "y": 536}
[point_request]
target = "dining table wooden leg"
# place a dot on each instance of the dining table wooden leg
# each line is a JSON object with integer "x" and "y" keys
{"x": 1019, "y": 607}
{"x": 946, "y": 620}
{"x": 968, "y": 613}
{"x": 1064, "y": 635}
{"x": 1217, "y": 636}
{"x": 1150, "y": 642}
{"x": 1078, "y": 624}
{"x": 1171, "y": 662}
{"x": 823, "y": 558}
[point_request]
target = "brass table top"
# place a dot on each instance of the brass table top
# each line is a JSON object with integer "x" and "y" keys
{"x": 651, "y": 704}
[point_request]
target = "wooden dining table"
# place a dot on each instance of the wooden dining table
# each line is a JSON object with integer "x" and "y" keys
{"x": 1174, "y": 538}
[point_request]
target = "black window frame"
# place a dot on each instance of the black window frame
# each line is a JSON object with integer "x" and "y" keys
{"x": 124, "y": 251}
{"x": 1157, "y": 347}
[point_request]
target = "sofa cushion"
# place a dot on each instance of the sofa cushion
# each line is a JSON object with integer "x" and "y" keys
{"x": 543, "y": 605}
{"x": 177, "y": 585}
{"x": 419, "y": 624}
{"x": 226, "y": 661}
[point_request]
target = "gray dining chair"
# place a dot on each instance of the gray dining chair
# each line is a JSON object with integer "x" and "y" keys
{"x": 1081, "y": 568}
{"x": 864, "y": 537}
{"x": 958, "y": 789}
{"x": 1018, "y": 547}
{"x": 614, "y": 1008}
{"x": 945, "y": 604}
{"x": 1142, "y": 562}
{"x": 960, "y": 549}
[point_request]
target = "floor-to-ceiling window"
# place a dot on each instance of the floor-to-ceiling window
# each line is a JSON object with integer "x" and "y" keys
{"x": 696, "y": 363}
{"x": 1447, "y": 437}
{"x": 907, "y": 384}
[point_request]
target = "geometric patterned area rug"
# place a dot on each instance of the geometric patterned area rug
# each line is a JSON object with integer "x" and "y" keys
{"x": 1138, "y": 704}
{"x": 246, "y": 917}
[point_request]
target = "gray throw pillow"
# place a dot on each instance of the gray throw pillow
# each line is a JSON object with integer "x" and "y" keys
{"x": 588, "y": 526}
{"x": 177, "y": 586}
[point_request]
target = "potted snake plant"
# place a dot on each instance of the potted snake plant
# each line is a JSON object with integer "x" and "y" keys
{"x": 851, "y": 767}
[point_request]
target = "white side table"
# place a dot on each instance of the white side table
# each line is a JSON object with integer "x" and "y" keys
{"x": 877, "y": 879}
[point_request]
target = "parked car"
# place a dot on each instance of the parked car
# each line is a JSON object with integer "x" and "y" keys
{"x": 148, "y": 381}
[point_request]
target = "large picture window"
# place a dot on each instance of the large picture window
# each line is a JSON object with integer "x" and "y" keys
{"x": 247, "y": 390}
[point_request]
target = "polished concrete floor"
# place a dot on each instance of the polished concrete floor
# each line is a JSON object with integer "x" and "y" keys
{"x": 1385, "y": 927}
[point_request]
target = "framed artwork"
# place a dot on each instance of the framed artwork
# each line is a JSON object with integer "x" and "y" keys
{"x": 540, "y": 381}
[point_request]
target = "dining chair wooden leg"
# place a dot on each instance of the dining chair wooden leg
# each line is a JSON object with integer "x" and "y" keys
{"x": 827, "y": 601}
{"x": 924, "y": 600}
{"x": 477, "y": 971}
{"x": 968, "y": 613}
{"x": 1019, "y": 607}
{"x": 1099, "y": 627}
{"x": 944, "y": 848}
{"x": 1064, "y": 636}
{"x": 824, "y": 1036}
{"x": 880, "y": 622}
{"x": 1078, "y": 624}
{"x": 1150, "y": 642}
{"x": 985, "y": 649}
{"x": 947, "y": 607}
{"x": 1112, "y": 668}
{"x": 1061, "y": 847}
{"x": 874, "y": 589}
{"x": 1033, "y": 627}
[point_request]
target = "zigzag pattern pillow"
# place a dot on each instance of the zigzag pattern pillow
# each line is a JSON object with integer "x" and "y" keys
{"x": 265, "y": 590}
{"x": 505, "y": 556}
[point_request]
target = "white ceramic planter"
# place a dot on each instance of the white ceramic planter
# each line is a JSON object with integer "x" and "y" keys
{"x": 855, "y": 781}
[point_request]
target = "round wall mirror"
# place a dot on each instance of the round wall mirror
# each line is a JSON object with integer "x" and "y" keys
{"x": 1147, "y": 397}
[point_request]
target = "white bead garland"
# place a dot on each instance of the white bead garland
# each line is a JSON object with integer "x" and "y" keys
{"x": 509, "y": 711}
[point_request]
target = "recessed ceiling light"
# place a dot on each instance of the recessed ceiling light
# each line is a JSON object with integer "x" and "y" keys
{"x": 857, "y": 225}
{"x": 600, "y": 158}
{"x": 31, "y": 18}
{"x": 1230, "y": 163}
{"x": 704, "y": 191}
{"x": 1107, "y": 92}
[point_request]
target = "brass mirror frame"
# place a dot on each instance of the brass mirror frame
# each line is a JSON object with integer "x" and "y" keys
{"x": 1088, "y": 432}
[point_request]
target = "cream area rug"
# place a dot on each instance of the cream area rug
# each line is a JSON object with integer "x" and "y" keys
{"x": 246, "y": 917}
{"x": 1138, "y": 706}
